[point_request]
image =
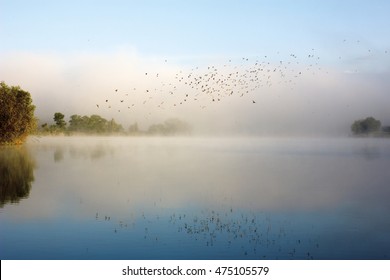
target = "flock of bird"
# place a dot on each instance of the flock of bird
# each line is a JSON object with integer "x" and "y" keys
{"x": 214, "y": 83}
{"x": 211, "y": 83}
{"x": 246, "y": 77}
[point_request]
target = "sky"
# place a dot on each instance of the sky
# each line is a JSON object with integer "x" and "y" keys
{"x": 331, "y": 62}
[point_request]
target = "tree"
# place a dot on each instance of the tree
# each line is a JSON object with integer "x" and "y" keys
{"x": 59, "y": 120}
{"x": 155, "y": 129}
{"x": 75, "y": 123}
{"x": 17, "y": 118}
{"x": 170, "y": 127}
{"x": 386, "y": 129}
{"x": 113, "y": 127}
{"x": 366, "y": 126}
{"x": 93, "y": 124}
{"x": 176, "y": 126}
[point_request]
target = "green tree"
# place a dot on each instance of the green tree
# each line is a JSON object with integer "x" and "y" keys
{"x": 75, "y": 123}
{"x": 59, "y": 120}
{"x": 96, "y": 124}
{"x": 17, "y": 118}
{"x": 366, "y": 126}
{"x": 93, "y": 124}
{"x": 113, "y": 127}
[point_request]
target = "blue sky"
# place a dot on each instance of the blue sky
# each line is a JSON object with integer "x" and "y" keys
{"x": 74, "y": 45}
{"x": 190, "y": 27}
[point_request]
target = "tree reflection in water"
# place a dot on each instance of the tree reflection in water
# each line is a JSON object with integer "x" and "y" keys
{"x": 16, "y": 174}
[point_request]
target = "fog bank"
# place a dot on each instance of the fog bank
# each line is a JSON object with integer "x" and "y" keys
{"x": 256, "y": 96}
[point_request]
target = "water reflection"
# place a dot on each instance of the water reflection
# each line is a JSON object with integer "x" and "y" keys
{"x": 94, "y": 152}
{"x": 184, "y": 198}
{"x": 257, "y": 174}
{"x": 370, "y": 152}
{"x": 16, "y": 174}
{"x": 58, "y": 154}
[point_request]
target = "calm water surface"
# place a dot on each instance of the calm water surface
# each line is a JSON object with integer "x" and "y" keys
{"x": 195, "y": 198}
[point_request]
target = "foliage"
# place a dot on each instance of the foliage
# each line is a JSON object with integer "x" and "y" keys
{"x": 94, "y": 124}
{"x": 59, "y": 120}
{"x": 367, "y": 126}
{"x": 16, "y": 114}
{"x": 386, "y": 129}
{"x": 16, "y": 173}
{"x": 170, "y": 127}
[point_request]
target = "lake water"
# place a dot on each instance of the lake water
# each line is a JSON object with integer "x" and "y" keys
{"x": 195, "y": 198}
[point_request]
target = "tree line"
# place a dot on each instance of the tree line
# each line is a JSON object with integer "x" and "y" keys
{"x": 93, "y": 124}
{"x": 17, "y": 121}
{"x": 96, "y": 124}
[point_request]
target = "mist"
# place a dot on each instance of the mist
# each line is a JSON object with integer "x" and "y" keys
{"x": 301, "y": 99}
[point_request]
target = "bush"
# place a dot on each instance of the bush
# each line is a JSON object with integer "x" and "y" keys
{"x": 367, "y": 126}
{"x": 16, "y": 114}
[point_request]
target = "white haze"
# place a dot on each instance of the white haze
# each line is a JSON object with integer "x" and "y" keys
{"x": 322, "y": 102}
